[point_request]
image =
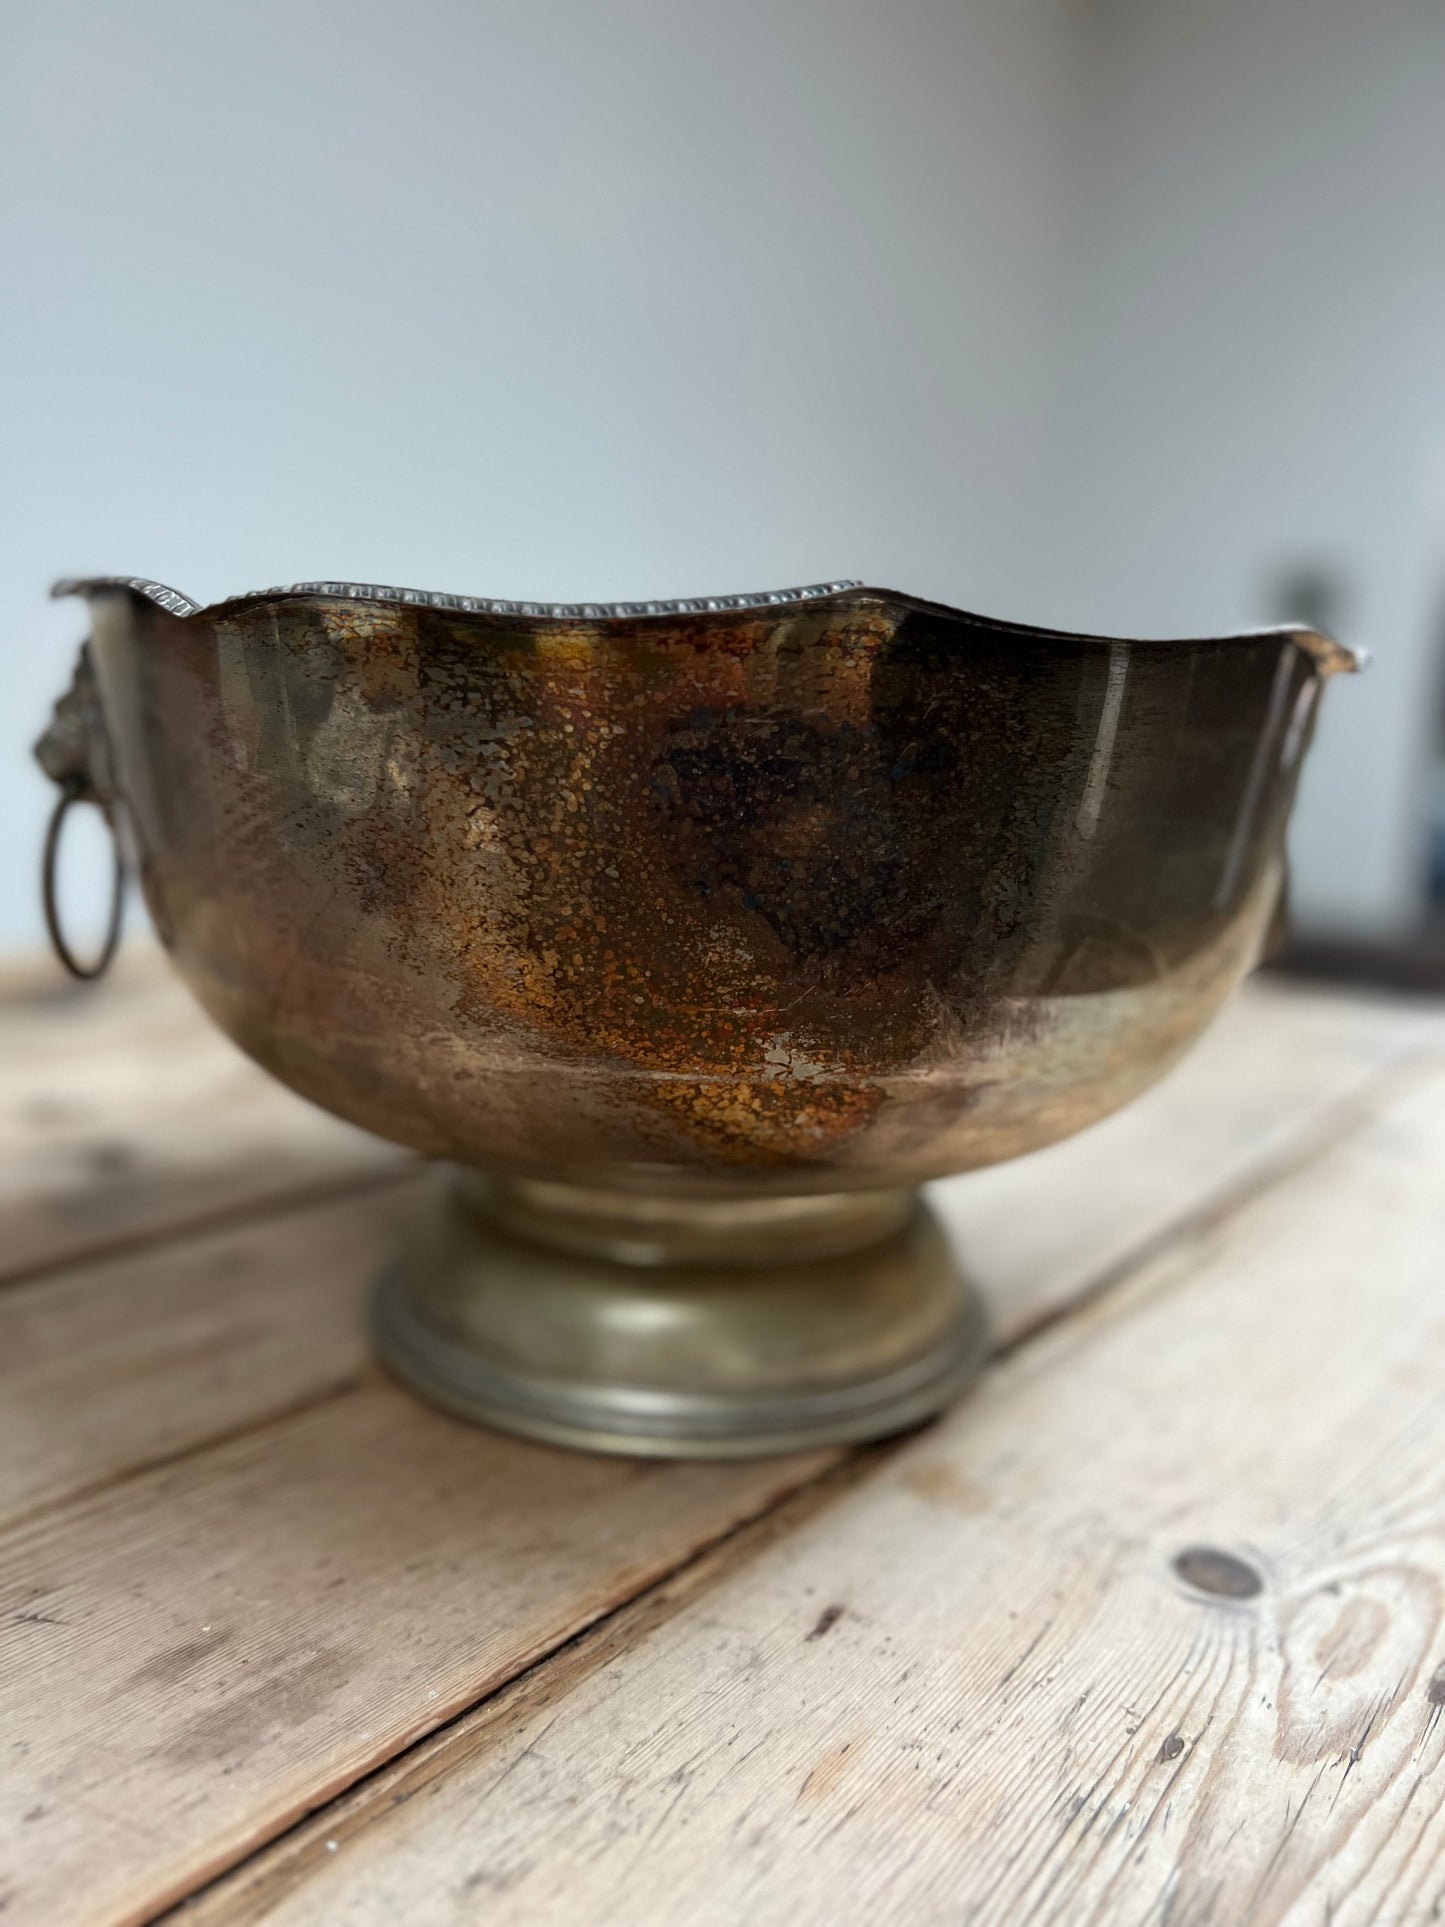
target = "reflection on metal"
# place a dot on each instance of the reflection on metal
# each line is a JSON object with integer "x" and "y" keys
{"x": 708, "y": 930}
{"x": 1268, "y": 755}
{"x": 1093, "y": 801}
{"x": 1297, "y": 735}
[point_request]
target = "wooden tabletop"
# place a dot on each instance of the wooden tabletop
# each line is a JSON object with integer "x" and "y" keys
{"x": 1149, "y": 1629}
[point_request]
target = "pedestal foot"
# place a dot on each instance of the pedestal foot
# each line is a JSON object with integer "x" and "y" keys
{"x": 672, "y": 1329}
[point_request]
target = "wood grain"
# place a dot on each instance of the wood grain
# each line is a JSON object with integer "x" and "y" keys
{"x": 377, "y": 1568}
{"x": 1279, "y": 1073}
{"x": 125, "y": 1114}
{"x": 112, "y": 1367}
{"x": 116, "y": 1365}
{"x": 195, "y": 1658}
{"x": 109, "y": 1366}
{"x": 978, "y": 1688}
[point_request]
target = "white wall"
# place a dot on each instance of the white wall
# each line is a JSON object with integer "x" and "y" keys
{"x": 1096, "y": 312}
{"x": 550, "y": 298}
{"x": 1253, "y": 375}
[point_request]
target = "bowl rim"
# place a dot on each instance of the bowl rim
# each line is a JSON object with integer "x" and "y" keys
{"x": 1329, "y": 655}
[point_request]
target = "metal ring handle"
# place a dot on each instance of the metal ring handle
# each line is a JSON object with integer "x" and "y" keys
{"x": 73, "y": 791}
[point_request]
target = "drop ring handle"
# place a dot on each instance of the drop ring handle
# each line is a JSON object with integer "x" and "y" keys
{"x": 74, "y": 790}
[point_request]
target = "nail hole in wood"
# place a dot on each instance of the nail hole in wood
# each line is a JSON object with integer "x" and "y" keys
{"x": 1209, "y": 1570}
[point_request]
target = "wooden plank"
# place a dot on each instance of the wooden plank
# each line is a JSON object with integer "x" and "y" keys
{"x": 1152, "y": 1630}
{"x": 113, "y": 1367}
{"x": 195, "y": 1658}
{"x": 125, "y": 1114}
{"x": 108, "y": 1367}
{"x": 1262, "y": 1089}
{"x": 461, "y": 1557}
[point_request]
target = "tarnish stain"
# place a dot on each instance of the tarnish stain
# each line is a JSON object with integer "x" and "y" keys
{"x": 1087, "y": 818}
{"x": 847, "y": 894}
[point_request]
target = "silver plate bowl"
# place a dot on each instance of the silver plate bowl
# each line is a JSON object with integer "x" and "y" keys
{"x": 694, "y": 937}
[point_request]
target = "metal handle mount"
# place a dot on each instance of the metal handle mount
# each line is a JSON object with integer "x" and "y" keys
{"x": 75, "y": 754}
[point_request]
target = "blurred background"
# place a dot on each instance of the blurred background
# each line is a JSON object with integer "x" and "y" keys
{"x": 1109, "y": 314}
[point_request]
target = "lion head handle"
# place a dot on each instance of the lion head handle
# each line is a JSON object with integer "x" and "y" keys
{"x": 74, "y": 752}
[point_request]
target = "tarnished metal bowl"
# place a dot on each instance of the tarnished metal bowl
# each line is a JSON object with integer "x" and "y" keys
{"x": 706, "y": 930}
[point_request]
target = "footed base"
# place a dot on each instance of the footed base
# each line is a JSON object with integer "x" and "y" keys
{"x": 673, "y": 1329}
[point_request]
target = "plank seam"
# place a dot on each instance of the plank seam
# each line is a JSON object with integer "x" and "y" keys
{"x": 414, "y": 1767}
{"x": 575, "y": 1658}
{"x": 1341, "y": 1119}
{"x": 338, "y": 1389}
{"x": 226, "y": 1217}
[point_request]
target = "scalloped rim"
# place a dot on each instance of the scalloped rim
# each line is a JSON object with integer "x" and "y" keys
{"x": 1328, "y": 655}
{"x": 177, "y": 604}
